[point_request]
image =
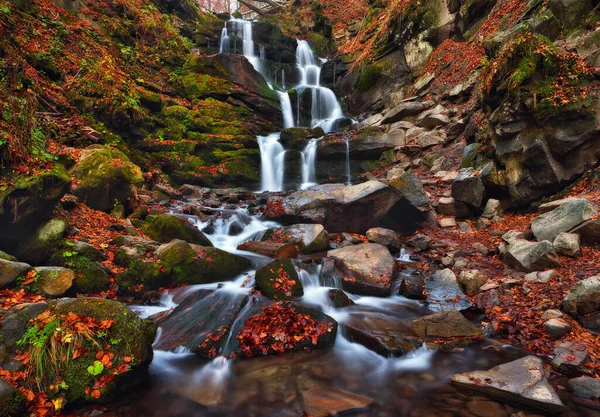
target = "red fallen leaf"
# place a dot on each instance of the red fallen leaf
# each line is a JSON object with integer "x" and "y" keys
{"x": 79, "y": 352}
{"x": 123, "y": 368}
{"x": 99, "y": 355}
{"x": 105, "y": 360}
{"x": 127, "y": 359}
{"x": 96, "y": 394}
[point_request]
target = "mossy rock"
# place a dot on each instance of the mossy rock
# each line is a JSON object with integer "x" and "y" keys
{"x": 53, "y": 281}
{"x": 90, "y": 278}
{"x": 40, "y": 246}
{"x": 6, "y": 257}
{"x": 142, "y": 275}
{"x": 166, "y": 227}
{"x": 131, "y": 337}
{"x": 106, "y": 177}
{"x": 12, "y": 402}
{"x": 279, "y": 280}
{"x": 469, "y": 155}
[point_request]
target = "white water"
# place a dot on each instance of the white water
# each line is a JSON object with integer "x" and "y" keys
{"x": 272, "y": 162}
{"x": 348, "y": 173}
{"x": 309, "y": 157}
{"x": 286, "y": 109}
{"x": 224, "y": 44}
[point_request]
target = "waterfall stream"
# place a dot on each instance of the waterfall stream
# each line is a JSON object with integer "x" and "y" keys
{"x": 325, "y": 109}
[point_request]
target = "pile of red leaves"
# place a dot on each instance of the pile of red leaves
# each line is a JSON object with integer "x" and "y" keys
{"x": 279, "y": 328}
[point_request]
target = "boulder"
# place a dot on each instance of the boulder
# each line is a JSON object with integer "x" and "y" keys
{"x": 411, "y": 188}
{"x": 166, "y": 227}
{"x": 522, "y": 381}
{"x": 567, "y": 244}
{"x": 443, "y": 294}
{"x": 468, "y": 188}
{"x": 12, "y": 402}
{"x": 569, "y": 358}
{"x": 53, "y": 281}
{"x": 412, "y": 284}
{"x": 10, "y": 271}
{"x": 557, "y": 328}
{"x": 91, "y": 276}
{"x": 385, "y": 237}
{"x": 105, "y": 177}
{"x": 420, "y": 242}
{"x": 589, "y": 232}
{"x": 279, "y": 280}
{"x": 564, "y": 218}
{"x": 361, "y": 269}
{"x": 447, "y": 222}
{"x": 309, "y": 238}
{"x": 448, "y": 206}
{"x": 584, "y": 297}
{"x": 447, "y": 329}
{"x": 471, "y": 281}
{"x": 402, "y": 110}
{"x": 530, "y": 256}
{"x": 38, "y": 247}
{"x": 493, "y": 209}
{"x": 341, "y": 208}
{"x": 585, "y": 387}
{"x": 541, "y": 277}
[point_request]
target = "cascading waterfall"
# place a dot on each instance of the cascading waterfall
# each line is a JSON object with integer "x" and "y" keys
{"x": 348, "y": 173}
{"x": 325, "y": 109}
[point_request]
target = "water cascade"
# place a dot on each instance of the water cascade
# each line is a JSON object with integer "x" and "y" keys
{"x": 272, "y": 162}
{"x": 348, "y": 173}
{"x": 309, "y": 156}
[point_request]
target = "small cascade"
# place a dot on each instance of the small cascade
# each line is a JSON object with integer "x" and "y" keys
{"x": 224, "y": 44}
{"x": 309, "y": 157}
{"x": 282, "y": 79}
{"x": 286, "y": 109}
{"x": 348, "y": 173}
{"x": 272, "y": 160}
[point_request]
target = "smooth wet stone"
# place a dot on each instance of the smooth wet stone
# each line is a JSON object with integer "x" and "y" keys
{"x": 481, "y": 408}
{"x": 279, "y": 280}
{"x": 569, "y": 358}
{"x": 585, "y": 387}
{"x": 328, "y": 401}
{"x": 361, "y": 269}
{"x": 522, "y": 381}
{"x": 447, "y": 329}
{"x": 443, "y": 293}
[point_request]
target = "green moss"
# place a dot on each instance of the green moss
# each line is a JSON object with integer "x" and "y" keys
{"x": 89, "y": 277}
{"x": 212, "y": 265}
{"x": 199, "y": 86}
{"x": 279, "y": 272}
{"x": 165, "y": 228}
{"x": 369, "y": 75}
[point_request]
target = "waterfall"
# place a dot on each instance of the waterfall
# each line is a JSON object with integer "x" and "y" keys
{"x": 272, "y": 160}
{"x": 309, "y": 157}
{"x": 282, "y": 79}
{"x": 348, "y": 173}
{"x": 224, "y": 44}
{"x": 286, "y": 109}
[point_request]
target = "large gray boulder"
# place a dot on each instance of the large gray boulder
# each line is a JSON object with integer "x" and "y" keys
{"x": 443, "y": 293}
{"x": 529, "y": 256}
{"x": 360, "y": 269}
{"x": 584, "y": 297}
{"x": 468, "y": 188}
{"x": 411, "y": 188}
{"x": 564, "y": 218}
{"x": 341, "y": 208}
{"x": 522, "y": 381}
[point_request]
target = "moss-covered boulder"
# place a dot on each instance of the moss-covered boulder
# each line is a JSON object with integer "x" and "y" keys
{"x": 142, "y": 275}
{"x": 53, "y": 281}
{"x": 42, "y": 243}
{"x": 106, "y": 177}
{"x": 309, "y": 238}
{"x": 26, "y": 204}
{"x": 279, "y": 280}
{"x": 166, "y": 227}
{"x": 90, "y": 277}
{"x": 12, "y": 402}
{"x": 10, "y": 271}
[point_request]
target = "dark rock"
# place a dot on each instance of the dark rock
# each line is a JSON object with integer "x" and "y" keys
{"x": 279, "y": 280}
{"x": 447, "y": 329}
{"x": 402, "y": 110}
{"x": 412, "y": 284}
{"x": 530, "y": 256}
{"x": 38, "y": 247}
{"x": 10, "y": 271}
{"x": 419, "y": 241}
{"x": 448, "y": 206}
{"x": 12, "y": 402}
{"x": 309, "y": 238}
{"x": 468, "y": 188}
{"x": 166, "y": 227}
{"x": 569, "y": 358}
{"x": 570, "y": 12}
{"x": 589, "y": 232}
{"x": 326, "y": 401}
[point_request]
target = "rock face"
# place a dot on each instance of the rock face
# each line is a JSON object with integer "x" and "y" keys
{"x": 310, "y": 238}
{"x": 564, "y": 218}
{"x": 443, "y": 294}
{"x": 584, "y": 297}
{"x": 341, "y": 208}
{"x": 530, "y": 256}
{"x": 362, "y": 269}
{"x": 9, "y": 271}
{"x": 468, "y": 188}
{"x": 279, "y": 280}
{"x": 448, "y": 328}
{"x": 166, "y": 227}
{"x": 522, "y": 381}
{"x": 105, "y": 176}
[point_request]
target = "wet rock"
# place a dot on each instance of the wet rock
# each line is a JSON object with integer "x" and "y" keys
{"x": 448, "y": 206}
{"x": 584, "y": 297}
{"x": 419, "y": 241}
{"x": 279, "y": 280}
{"x": 557, "y": 328}
{"x": 166, "y": 227}
{"x": 339, "y": 298}
{"x": 54, "y": 281}
{"x": 567, "y": 244}
{"x": 9, "y": 271}
{"x": 40, "y": 245}
{"x": 564, "y": 218}
{"x": 362, "y": 269}
{"x": 309, "y": 238}
{"x": 569, "y": 358}
{"x": 522, "y": 381}
{"x": 341, "y": 208}
{"x": 443, "y": 294}
{"x": 471, "y": 281}
{"x": 589, "y": 232}
{"x": 585, "y": 387}
{"x": 106, "y": 175}
{"x": 385, "y": 237}
{"x": 530, "y": 256}
{"x": 447, "y": 222}
{"x": 541, "y": 277}
{"x": 326, "y": 401}
{"x": 412, "y": 284}
{"x": 12, "y": 402}
{"x": 447, "y": 329}
{"x": 273, "y": 250}
{"x": 468, "y": 188}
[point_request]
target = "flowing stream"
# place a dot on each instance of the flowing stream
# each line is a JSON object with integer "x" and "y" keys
{"x": 325, "y": 110}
